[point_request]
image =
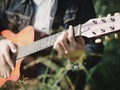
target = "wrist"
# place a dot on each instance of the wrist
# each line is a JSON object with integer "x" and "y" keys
{"x": 76, "y": 56}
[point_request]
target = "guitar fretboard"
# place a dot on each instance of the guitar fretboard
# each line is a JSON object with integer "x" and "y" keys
{"x": 39, "y": 45}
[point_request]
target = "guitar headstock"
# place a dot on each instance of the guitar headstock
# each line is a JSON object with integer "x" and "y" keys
{"x": 101, "y": 26}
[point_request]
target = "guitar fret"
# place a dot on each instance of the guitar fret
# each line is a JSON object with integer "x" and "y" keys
{"x": 37, "y": 46}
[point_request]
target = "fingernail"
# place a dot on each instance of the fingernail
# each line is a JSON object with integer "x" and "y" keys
{"x": 8, "y": 75}
{"x": 66, "y": 52}
{"x": 13, "y": 68}
{"x": 70, "y": 26}
{"x": 5, "y": 76}
{"x": 14, "y": 50}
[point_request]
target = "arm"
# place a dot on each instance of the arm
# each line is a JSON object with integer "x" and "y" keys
{"x": 5, "y": 47}
{"x": 84, "y": 11}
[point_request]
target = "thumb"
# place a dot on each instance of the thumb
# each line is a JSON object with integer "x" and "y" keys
{"x": 13, "y": 47}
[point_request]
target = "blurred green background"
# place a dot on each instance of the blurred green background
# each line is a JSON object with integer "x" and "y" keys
{"x": 106, "y": 75}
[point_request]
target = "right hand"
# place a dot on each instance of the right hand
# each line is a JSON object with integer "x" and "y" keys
{"x": 6, "y": 63}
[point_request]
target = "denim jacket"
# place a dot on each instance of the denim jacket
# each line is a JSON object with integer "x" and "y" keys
{"x": 16, "y": 14}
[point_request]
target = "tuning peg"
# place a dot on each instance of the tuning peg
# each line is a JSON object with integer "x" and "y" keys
{"x": 98, "y": 40}
{"x": 108, "y": 15}
{"x": 107, "y": 38}
{"x": 116, "y": 36}
{"x": 116, "y": 14}
{"x": 100, "y": 16}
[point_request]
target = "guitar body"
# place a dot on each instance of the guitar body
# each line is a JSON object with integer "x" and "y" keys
{"x": 24, "y": 37}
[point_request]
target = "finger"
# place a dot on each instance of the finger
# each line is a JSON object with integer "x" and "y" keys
{"x": 64, "y": 42}
{"x": 61, "y": 44}
{"x": 80, "y": 41}
{"x": 9, "y": 60}
{"x": 7, "y": 72}
{"x": 13, "y": 48}
{"x": 58, "y": 47}
{"x": 71, "y": 36}
{"x": 5, "y": 69}
{"x": 2, "y": 61}
{"x": 1, "y": 73}
{"x": 4, "y": 74}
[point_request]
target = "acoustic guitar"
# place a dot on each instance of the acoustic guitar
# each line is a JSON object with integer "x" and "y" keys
{"x": 25, "y": 39}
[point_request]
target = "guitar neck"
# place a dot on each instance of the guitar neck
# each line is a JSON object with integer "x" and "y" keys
{"x": 92, "y": 28}
{"x": 39, "y": 45}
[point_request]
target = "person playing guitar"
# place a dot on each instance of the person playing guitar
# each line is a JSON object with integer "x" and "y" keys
{"x": 45, "y": 17}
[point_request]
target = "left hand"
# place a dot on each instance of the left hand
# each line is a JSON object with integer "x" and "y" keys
{"x": 66, "y": 44}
